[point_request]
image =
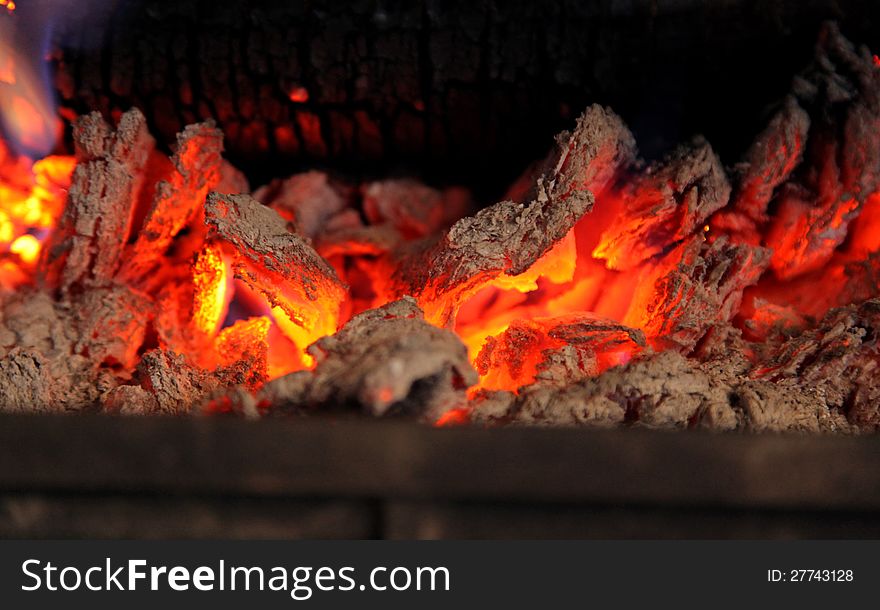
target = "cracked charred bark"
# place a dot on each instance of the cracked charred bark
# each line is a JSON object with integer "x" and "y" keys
{"x": 468, "y": 89}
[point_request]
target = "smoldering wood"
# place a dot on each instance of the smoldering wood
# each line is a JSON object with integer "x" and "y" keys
{"x": 347, "y": 235}
{"x": 796, "y": 305}
{"x": 89, "y": 240}
{"x": 268, "y": 256}
{"x": 414, "y": 209}
{"x": 306, "y": 200}
{"x": 555, "y": 351}
{"x": 175, "y": 384}
{"x": 689, "y": 303}
{"x": 665, "y": 204}
{"x": 509, "y": 237}
{"x": 178, "y": 197}
{"x": 838, "y": 360}
{"x": 384, "y": 361}
{"x": 111, "y": 323}
{"x": 79, "y": 347}
{"x": 666, "y": 390}
{"x": 702, "y": 291}
{"x": 662, "y": 390}
{"x": 168, "y": 383}
{"x": 40, "y": 366}
{"x": 773, "y": 407}
{"x": 841, "y": 92}
{"x": 768, "y": 163}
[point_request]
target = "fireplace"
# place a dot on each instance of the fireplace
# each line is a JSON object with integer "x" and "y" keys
{"x": 300, "y": 229}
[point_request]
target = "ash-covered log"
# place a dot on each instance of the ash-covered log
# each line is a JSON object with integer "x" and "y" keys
{"x": 768, "y": 163}
{"x": 277, "y": 263}
{"x": 666, "y": 391}
{"x": 555, "y": 351}
{"x": 178, "y": 197}
{"x": 667, "y": 203}
{"x": 839, "y": 360}
{"x": 701, "y": 292}
{"x": 88, "y": 244}
{"x": 508, "y": 238}
{"x": 841, "y": 90}
{"x": 385, "y": 361}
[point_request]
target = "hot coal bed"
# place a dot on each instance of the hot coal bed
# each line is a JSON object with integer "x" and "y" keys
{"x": 377, "y": 315}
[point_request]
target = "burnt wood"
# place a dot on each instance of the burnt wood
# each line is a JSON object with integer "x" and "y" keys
{"x": 460, "y": 90}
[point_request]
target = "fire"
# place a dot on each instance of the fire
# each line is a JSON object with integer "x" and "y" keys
{"x": 27, "y": 247}
{"x": 240, "y": 293}
{"x": 26, "y": 106}
{"x": 603, "y": 274}
{"x": 569, "y": 279}
{"x": 32, "y": 198}
{"x": 9, "y": 5}
{"x": 211, "y": 290}
{"x": 243, "y": 336}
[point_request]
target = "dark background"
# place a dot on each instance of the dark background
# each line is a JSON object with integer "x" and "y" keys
{"x": 456, "y": 91}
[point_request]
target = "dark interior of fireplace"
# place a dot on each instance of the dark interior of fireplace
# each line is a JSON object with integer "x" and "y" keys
{"x": 454, "y": 92}
{"x": 567, "y": 221}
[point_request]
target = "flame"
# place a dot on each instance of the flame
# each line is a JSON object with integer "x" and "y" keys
{"x": 27, "y": 247}
{"x": 32, "y": 197}
{"x": 612, "y": 265}
{"x": 27, "y": 109}
{"x": 303, "y": 335}
{"x": 211, "y": 290}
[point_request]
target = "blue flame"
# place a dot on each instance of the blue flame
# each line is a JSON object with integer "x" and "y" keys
{"x": 28, "y": 109}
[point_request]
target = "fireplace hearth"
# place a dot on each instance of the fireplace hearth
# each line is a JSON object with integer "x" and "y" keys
{"x": 160, "y": 477}
{"x": 319, "y": 247}
{"x": 602, "y": 290}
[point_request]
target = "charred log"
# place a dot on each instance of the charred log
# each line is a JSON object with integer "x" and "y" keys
{"x": 384, "y": 361}
{"x": 508, "y": 238}
{"x": 469, "y": 90}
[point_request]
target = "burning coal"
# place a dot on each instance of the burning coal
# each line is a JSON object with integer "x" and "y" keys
{"x": 603, "y": 291}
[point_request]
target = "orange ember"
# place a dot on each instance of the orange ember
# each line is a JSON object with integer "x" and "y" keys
{"x": 299, "y": 95}
{"x": 607, "y": 257}
{"x": 32, "y": 197}
{"x": 27, "y": 247}
{"x": 211, "y": 290}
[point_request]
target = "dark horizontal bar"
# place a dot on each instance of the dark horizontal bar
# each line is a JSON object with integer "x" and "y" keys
{"x": 396, "y": 459}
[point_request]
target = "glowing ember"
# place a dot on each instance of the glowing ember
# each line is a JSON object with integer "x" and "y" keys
{"x": 31, "y": 201}
{"x": 299, "y": 95}
{"x": 376, "y": 294}
{"x": 27, "y": 247}
{"x": 211, "y": 290}
{"x": 242, "y": 337}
